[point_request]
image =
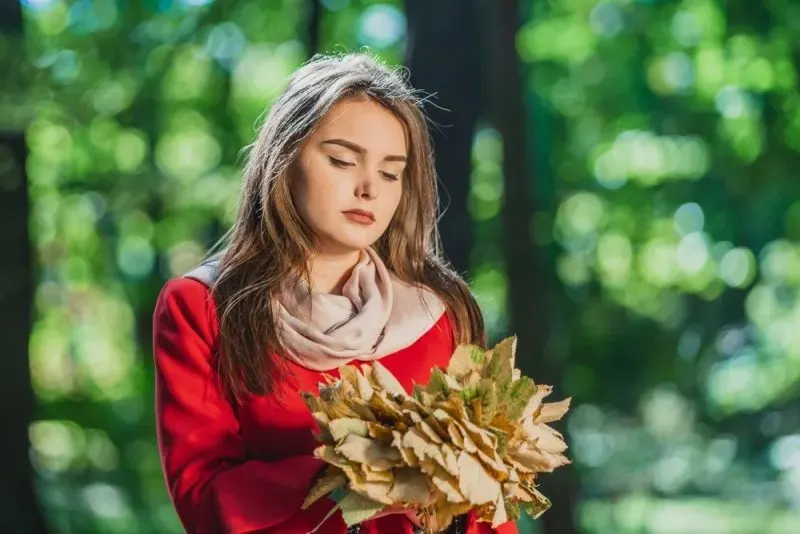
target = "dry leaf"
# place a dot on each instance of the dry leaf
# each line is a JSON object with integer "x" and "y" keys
{"x": 499, "y": 516}
{"x": 445, "y": 514}
{"x": 380, "y": 432}
{"x": 409, "y": 457}
{"x": 386, "y": 380}
{"x": 465, "y": 359}
{"x": 544, "y": 437}
{"x": 359, "y": 449}
{"x": 535, "y": 402}
{"x": 356, "y": 508}
{"x": 448, "y": 485}
{"x": 475, "y": 437}
{"x": 375, "y": 475}
{"x": 341, "y": 428}
{"x": 332, "y": 479}
{"x": 410, "y": 486}
{"x": 475, "y": 483}
{"x": 553, "y": 411}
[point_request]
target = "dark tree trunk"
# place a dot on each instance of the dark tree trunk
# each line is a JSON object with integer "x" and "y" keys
{"x": 314, "y": 20}
{"x": 443, "y": 57}
{"x": 530, "y": 290}
{"x": 20, "y": 511}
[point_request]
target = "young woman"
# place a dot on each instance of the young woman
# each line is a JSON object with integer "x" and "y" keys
{"x": 333, "y": 260}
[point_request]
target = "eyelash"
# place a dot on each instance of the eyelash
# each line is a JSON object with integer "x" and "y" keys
{"x": 344, "y": 164}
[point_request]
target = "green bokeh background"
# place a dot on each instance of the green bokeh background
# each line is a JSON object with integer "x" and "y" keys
{"x": 667, "y": 137}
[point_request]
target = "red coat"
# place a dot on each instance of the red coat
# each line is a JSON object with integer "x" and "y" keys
{"x": 248, "y": 468}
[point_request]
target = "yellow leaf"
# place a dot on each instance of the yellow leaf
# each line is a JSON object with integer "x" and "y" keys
{"x": 345, "y": 389}
{"x": 453, "y": 406}
{"x": 506, "y": 348}
{"x": 428, "y": 466}
{"x": 477, "y": 410}
{"x": 535, "y": 402}
{"x": 327, "y": 454}
{"x": 369, "y": 451}
{"x": 457, "y": 433}
{"x": 380, "y": 432}
{"x": 471, "y": 380}
{"x": 429, "y": 432}
{"x": 455, "y": 436}
{"x": 361, "y": 409}
{"x": 338, "y": 408}
{"x": 540, "y": 461}
{"x": 440, "y": 429}
{"x": 356, "y": 508}
{"x": 465, "y": 359}
{"x": 365, "y": 390}
{"x": 384, "y": 407}
{"x": 539, "y": 505}
{"x": 371, "y": 475}
{"x": 376, "y": 490}
{"x": 447, "y": 485}
{"x": 412, "y": 416}
{"x": 485, "y": 440}
{"x": 476, "y": 484}
{"x": 450, "y": 459}
{"x": 348, "y": 373}
{"x": 544, "y": 437}
{"x": 415, "y": 440}
{"x": 332, "y": 479}
{"x": 314, "y": 403}
{"x": 407, "y": 453}
{"x": 386, "y": 380}
{"x": 494, "y": 463}
{"x": 452, "y": 383}
{"x": 517, "y": 466}
{"x": 410, "y": 487}
{"x": 340, "y": 428}
{"x": 553, "y": 411}
{"x": 323, "y": 422}
{"x": 499, "y": 516}
{"x": 519, "y": 493}
{"x": 445, "y": 514}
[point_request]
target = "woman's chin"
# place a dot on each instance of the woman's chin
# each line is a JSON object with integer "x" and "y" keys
{"x": 345, "y": 244}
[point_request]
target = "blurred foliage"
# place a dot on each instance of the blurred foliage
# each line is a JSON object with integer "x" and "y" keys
{"x": 665, "y": 139}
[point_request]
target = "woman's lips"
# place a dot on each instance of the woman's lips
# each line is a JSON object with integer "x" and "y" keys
{"x": 359, "y": 217}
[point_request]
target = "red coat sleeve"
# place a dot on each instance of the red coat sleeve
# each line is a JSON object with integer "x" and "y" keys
{"x": 214, "y": 488}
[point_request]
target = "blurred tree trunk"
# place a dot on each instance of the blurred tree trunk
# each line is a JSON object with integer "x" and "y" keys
{"x": 443, "y": 56}
{"x": 20, "y": 512}
{"x": 530, "y": 291}
{"x": 312, "y": 31}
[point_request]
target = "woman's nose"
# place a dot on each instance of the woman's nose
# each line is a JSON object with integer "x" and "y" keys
{"x": 366, "y": 187}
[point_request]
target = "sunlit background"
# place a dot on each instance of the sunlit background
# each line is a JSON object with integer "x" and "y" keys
{"x": 661, "y": 147}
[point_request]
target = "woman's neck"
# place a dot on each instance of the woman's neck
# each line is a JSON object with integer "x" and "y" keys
{"x": 329, "y": 272}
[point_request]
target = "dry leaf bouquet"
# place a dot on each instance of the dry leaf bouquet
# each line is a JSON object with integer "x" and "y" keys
{"x": 475, "y": 437}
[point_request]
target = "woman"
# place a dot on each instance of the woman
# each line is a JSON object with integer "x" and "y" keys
{"x": 338, "y": 218}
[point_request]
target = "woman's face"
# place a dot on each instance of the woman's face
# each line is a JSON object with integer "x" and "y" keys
{"x": 348, "y": 179}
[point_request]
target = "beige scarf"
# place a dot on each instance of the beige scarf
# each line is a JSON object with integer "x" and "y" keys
{"x": 376, "y": 314}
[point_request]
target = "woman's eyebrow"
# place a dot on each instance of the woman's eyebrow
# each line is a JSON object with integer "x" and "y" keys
{"x": 360, "y": 149}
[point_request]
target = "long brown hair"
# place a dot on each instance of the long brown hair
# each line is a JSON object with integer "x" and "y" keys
{"x": 270, "y": 244}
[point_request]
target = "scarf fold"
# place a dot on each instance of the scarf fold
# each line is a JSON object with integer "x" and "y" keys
{"x": 376, "y": 314}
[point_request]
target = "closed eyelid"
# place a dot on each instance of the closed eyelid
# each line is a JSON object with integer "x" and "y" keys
{"x": 359, "y": 150}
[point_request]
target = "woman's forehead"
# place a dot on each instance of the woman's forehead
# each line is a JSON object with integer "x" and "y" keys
{"x": 365, "y": 124}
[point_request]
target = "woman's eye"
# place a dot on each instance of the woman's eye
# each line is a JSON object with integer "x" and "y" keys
{"x": 339, "y": 163}
{"x": 390, "y": 176}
